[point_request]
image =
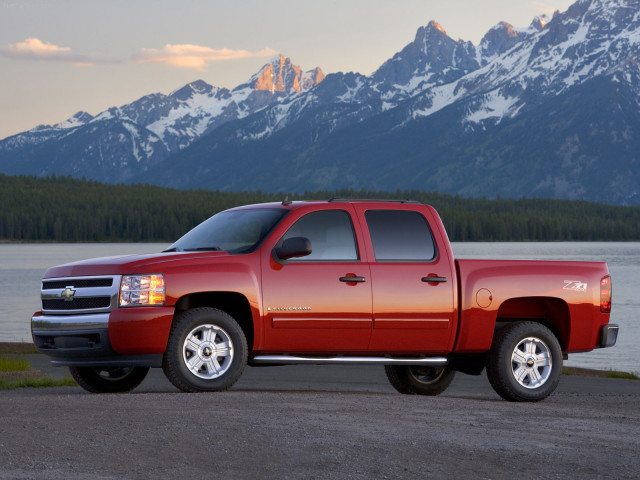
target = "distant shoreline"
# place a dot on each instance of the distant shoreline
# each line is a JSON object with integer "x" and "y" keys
{"x": 68, "y": 209}
{"x": 17, "y": 347}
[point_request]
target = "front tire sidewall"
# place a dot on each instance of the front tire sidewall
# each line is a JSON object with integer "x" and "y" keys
{"x": 108, "y": 380}
{"x": 499, "y": 363}
{"x": 174, "y": 363}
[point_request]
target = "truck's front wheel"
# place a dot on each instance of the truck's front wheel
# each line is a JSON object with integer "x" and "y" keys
{"x": 525, "y": 362}
{"x": 419, "y": 380}
{"x": 108, "y": 380}
{"x": 207, "y": 351}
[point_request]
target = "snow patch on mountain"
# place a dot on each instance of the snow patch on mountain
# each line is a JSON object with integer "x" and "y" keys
{"x": 495, "y": 106}
{"x": 352, "y": 91}
{"x": 106, "y": 115}
{"x": 77, "y": 120}
{"x": 190, "y": 118}
{"x": 435, "y": 100}
{"x": 135, "y": 140}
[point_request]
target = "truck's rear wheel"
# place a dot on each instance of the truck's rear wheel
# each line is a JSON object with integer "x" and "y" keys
{"x": 109, "y": 380}
{"x": 525, "y": 362}
{"x": 419, "y": 380}
{"x": 207, "y": 351}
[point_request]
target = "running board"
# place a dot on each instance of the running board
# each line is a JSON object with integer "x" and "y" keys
{"x": 290, "y": 360}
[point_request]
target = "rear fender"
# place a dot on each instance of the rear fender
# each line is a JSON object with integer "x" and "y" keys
{"x": 551, "y": 312}
{"x": 477, "y": 325}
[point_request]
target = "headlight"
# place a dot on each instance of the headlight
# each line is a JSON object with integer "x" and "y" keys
{"x": 138, "y": 290}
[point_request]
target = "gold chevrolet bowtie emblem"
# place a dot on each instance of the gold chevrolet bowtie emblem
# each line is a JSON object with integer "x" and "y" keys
{"x": 68, "y": 293}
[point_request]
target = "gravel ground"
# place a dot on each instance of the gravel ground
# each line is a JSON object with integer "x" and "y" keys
{"x": 322, "y": 423}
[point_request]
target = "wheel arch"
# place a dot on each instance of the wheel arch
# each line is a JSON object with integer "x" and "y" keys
{"x": 232, "y": 303}
{"x": 551, "y": 312}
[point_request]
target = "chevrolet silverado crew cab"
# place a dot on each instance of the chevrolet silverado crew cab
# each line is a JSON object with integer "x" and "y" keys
{"x": 323, "y": 282}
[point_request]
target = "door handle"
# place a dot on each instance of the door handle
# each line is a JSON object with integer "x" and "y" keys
{"x": 434, "y": 279}
{"x": 353, "y": 279}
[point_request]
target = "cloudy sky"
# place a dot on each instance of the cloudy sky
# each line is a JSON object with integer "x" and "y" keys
{"x": 61, "y": 56}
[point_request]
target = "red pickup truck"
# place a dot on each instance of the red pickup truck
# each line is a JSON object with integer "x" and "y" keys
{"x": 323, "y": 282}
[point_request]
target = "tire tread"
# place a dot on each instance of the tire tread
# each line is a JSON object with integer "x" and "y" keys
{"x": 400, "y": 378}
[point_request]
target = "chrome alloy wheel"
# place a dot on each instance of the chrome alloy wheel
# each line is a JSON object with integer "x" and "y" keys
{"x": 531, "y": 362}
{"x": 427, "y": 375}
{"x": 207, "y": 351}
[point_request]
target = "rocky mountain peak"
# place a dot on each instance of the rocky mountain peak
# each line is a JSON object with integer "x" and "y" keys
{"x": 430, "y": 34}
{"x": 433, "y": 25}
{"x": 312, "y": 78}
{"x": 199, "y": 87}
{"x": 501, "y": 38}
{"x": 431, "y": 59}
{"x": 76, "y": 120}
{"x": 539, "y": 23}
{"x": 281, "y": 75}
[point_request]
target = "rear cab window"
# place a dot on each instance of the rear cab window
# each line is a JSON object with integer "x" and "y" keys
{"x": 400, "y": 236}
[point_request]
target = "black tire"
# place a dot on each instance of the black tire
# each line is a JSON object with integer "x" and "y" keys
{"x": 206, "y": 352}
{"x": 419, "y": 380}
{"x": 525, "y": 362}
{"x": 109, "y": 380}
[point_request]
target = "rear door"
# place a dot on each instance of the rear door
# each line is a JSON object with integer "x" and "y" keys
{"x": 411, "y": 279}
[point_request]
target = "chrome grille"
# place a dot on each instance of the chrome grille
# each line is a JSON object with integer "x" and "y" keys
{"x": 77, "y": 303}
{"x": 77, "y": 295}
{"x": 77, "y": 283}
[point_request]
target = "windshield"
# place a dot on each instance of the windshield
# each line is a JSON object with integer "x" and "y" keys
{"x": 233, "y": 231}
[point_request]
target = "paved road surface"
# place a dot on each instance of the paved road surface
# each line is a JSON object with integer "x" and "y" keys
{"x": 320, "y": 422}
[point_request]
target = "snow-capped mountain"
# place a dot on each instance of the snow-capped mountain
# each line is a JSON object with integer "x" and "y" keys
{"x": 42, "y": 133}
{"x": 552, "y": 109}
{"x": 186, "y": 114}
{"x": 195, "y": 109}
{"x": 577, "y": 46}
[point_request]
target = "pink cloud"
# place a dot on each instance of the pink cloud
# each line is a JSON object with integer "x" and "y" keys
{"x": 194, "y": 56}
{"x": 180, "y": 55}
{"x": 36, "y": 49}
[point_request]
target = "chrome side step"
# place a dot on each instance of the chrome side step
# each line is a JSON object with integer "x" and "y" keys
{"x": 291, "y": 360}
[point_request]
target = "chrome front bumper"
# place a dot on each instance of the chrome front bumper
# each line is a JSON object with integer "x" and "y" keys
{"x": 69, "y": 323}
{"x": 72, "y": 335}
{"x": 82, "y": 341}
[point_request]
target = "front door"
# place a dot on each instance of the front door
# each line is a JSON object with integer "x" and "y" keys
{"x": 320, "y": 302}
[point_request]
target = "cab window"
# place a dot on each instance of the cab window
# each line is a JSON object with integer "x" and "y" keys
{"x": 400, "y": 235}
{"x": 331, "y": 235}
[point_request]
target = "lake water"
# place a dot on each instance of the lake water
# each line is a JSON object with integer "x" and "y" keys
{"x": 22, "y": 267}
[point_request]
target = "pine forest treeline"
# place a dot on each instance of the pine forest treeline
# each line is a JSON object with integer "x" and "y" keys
{"x": 63, "y": 209}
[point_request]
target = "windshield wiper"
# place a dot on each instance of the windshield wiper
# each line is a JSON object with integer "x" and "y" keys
{"x": 172, "y": 249}
{"x": 202, "y": 249}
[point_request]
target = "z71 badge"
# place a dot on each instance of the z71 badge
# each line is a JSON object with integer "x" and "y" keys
{"x": 576, "y": 285}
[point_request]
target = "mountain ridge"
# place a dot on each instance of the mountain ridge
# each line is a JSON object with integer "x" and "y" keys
{"x": 437, "y": 107}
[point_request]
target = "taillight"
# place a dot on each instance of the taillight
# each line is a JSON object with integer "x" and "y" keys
{"x": 605, "y": 294}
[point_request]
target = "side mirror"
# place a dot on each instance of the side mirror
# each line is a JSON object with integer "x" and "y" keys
{"x": 293, "y": 247}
